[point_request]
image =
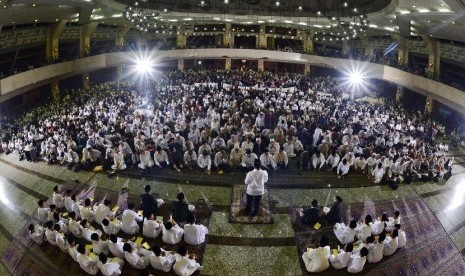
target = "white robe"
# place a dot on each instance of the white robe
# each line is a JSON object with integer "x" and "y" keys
{"x": 344, "y": 233}
{"x": 317, "y": 260}
{"x": 195, "y": 233}
{"x": 185, "y": 266}
{"x": 163, "y": 263}
{"x": 87, "y": 264}
{"x": 151, "y": 228}
{"x": 172, "y": 236}
{"x": 129, "y": 222}
{"x": 340, "y": 260}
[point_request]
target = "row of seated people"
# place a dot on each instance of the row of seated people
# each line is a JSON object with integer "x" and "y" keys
{"x": 367, "y": 241}
{"x": 71, "y": 234}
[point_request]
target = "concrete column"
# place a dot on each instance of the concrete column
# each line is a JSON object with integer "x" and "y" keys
{"x": 308, "y": 43}
{"x": 434, "y": 59}
{"x": 181, "y": 38}
{"x": 54, "y": 32}
{"x": 142, "y": 42}
{"x": 120, "y": 34}
{"x": 402, "y": 46}
{"x": 399, "y": 93}
{"x": 429, "y": 103}
{"x": 85, "y": 81}
{"x": 261, "y": 39}
{"x": 345, "y": 47}
{"x": 84, "y": 40}
{"x": 307, "y": 69}
{"x": 369, "y": 51}
{"x": 227, "y": 64}
{"x": 261, "y": 65}
{"x": 228, "y": 37}
{"x": 55, "y": 90}
{"x": 181, "y": 64}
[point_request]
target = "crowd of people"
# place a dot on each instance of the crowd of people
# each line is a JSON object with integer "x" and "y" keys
{"x": 88, "y": 232}
{"x": 215, "y": 120}
{"x": 364, "y": 240}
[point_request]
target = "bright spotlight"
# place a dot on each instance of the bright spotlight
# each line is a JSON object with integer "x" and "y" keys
{"x": 355, "y": 78}
{"x": 143, "y": 66}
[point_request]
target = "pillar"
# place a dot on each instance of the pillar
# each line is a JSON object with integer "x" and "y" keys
{"x": 402, "y": 50}
{"x": 85, "y": 81}
{"x": 219, "y": 40}
{"x": 142, "y": 42}
{"x": 345, "y": 47}
{"x": 54, "y": 32}
{"x": 228, "y": 37}
{"x": 120, "y": 34}
{"x": 307, "y": 69}
{"x": 261, "y": 38}
{"x": 261, "y": 65}
{"x": 433, "y": 56}
{"x": 399, "y": 93}
{"x": 429, "y": 103}
{"x": 181, "y": 38}
{"x": 55, "y": 90}
{"x": 369, "y": 51}
{"x": 308, "y": 43}
{"x": 227, "y": 64}
{"x": 84, "y": 38}
{"x": 181, "y": 64}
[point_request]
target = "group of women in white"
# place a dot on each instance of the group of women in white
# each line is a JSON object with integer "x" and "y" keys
{"x": 105, "y": 251}
{"x": 369, "y": 240}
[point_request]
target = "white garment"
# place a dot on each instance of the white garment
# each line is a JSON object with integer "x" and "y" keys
{"x": 51, "y": 236}
{"x": 102, "y": 212}
{"x": 344, "y": 233}
{"x": 317, "y": 260}
{"x": 163, "y": 263}
{"x": 100, "y": 247}
{"x": 112, "y": 228}
{"x": 340, "y": 260}
{"x": 377, "y": 227}
{"x": 87, "y": 264}
{"x": 375, "y": 252}
{"x": 87, "y": 233}
{"x": 38, "y": 235}
{"x": 172, "y": 236}
{"x": 378, "y": 174}
{"x": 75, "y": 228}
{"x": 111, "y": 268}
{"x": 363, "y": 231}
{"x": 58, "y": 200}
{"x": 138, "y": 258}
{"x": 73, "y": 253}
{"x": 151, "y": 228}
{"x": 116, "y": 249}
{"x": 129, "y": 221}
{"x": 61, "y": 242}
{"x": 255, "y": 181}
{"x": 204, "y": 162}
{"x": 42, "y": 214}
{"x": 401, "y": 239}
{"x": 390, "y": 246}
{"x": 185, "y": 266}
{"x": 88, "y": 214}
{"x": 356, "y": 263}
{"x": 195, "y": 233}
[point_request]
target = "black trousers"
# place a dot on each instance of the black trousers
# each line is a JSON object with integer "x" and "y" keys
{"x": 253, "y": 205}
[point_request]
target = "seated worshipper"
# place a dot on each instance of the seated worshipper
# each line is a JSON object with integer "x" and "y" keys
{"x": 72, "y": 248}
{"x": 346, "y": 234}
{"x": 160, "y": 158}
{"x": 115, "y": 245}
{"x": 378, "y": 173}
{"x": 267, "y": 161}
{"x": 42, "y": 212}
{"x": 90, "y": 157}
{"x": 221, "y": 160}
{"x": 53, "y": 210}
{"x": 375, "y": 248}
{"x": 393, "y": 221}
{"x": 98, "y": 245}
{"x": 57, "y": 219}
{"x": 112, "y": 227}
{"x": 110, "y": 267}
{"x": 71, "y": 204}
{"x": 281, "y": 159}
{"x": 194, "y": 233}
{"x": 364, "y": 228}
{"x": 162, "y": 260}
{"x": 343, "y": 168}
{"x": 318, "y": 160}
{"x": 391, "y": 243}
{"x": 333, "y": 161}
{"x": 185, "y": 265}
{"x": 377, "y": 226}
{"x": 176, "y": 158}
{"x": 50, "y": 233}
{"x": 36, "y": 233}
{"x": 317, "y": 259}
{"x": 190, "y": 159}
{"x": 118, "y": 160}
{"x": 360, "y": 164}
{"x": 172, "y": 233}
{"x": 248, "y": 160}
{"x": 103, "y": 211}
{"x": 73, "y": 225}
{"x": 87, "y": 211}
{"x": 129, "y": 220}
{"x": 357, "y": 262}
{"x": 57, "y": 199}
{"x": 151, "y": 228}
{"x": 149, "y": 204}
{"x": 180, "y": 208}
{"x": 146, "y": 160}
{"x": 402, "y": 237}
{"x": 311, "y": 215}
{"x": 288, "y": 147}
{"x": 334, "y": 215}
{"x": 137, "y": 257}
{"x": 88, "y": 230}
{"x": 204, "y": 162}
{"x": 235, "y": 156}
{"x": 85, "y": 262}
{"x": 341, "y": 257}
{"x": 304, "y": 160}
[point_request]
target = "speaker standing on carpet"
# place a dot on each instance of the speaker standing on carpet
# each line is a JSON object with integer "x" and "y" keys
{"x": 255, "y": 181}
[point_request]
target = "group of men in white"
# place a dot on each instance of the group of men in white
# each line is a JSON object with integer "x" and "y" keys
{"x": 369, "y": 240}
{"x": 105, "y": 251}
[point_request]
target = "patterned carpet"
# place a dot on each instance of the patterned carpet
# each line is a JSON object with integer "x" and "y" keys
{"x": 24, "y": 258}
{"x": 429, "y": 250}
{"x": 239, "y": 201}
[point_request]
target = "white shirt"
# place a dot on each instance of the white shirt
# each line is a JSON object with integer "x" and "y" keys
{"x": 172, "y": 236}
{"x": 356, "y": 263}
{"x": 116, "y": 249}
{"x": 129, "y": 222}
{"x": 267, "y": 160}
{"x": 377, "y": 227}
{"x": 163, "y": 263}
{"x": 185, "y": 266}
{"x": 363, "y": 231}
{"x": 390, "y": 246}
{"x": 110, "y": 268}
{"x": 151, "y": 228}
{"x": 343, "y": 169}
{"x": 88, "y": 265}
{"x": 375, "y": 252}
{"x": 401, "y": 239}
{"x": 100, "y": 246}
{"x": 195, "y": 233}
{"x": 58, "y": 200}
{"x": 102, "y": 212}
{"x": 344, "y": 233}
{"x": 51, "y": 236}
{"x": 317, "y": 260}
{"x": 255, "y": 181}
{"x": 136, "y": 261}
{"x": 204, "y": 162}
{"x": 42, "y": 214}
{"x": 112, "y": 228}
{"x": 88, "y": 214}
{"x": 340, "y": 260}
{"x": 38, "y": 235}
{"x": 61, "y": 242}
